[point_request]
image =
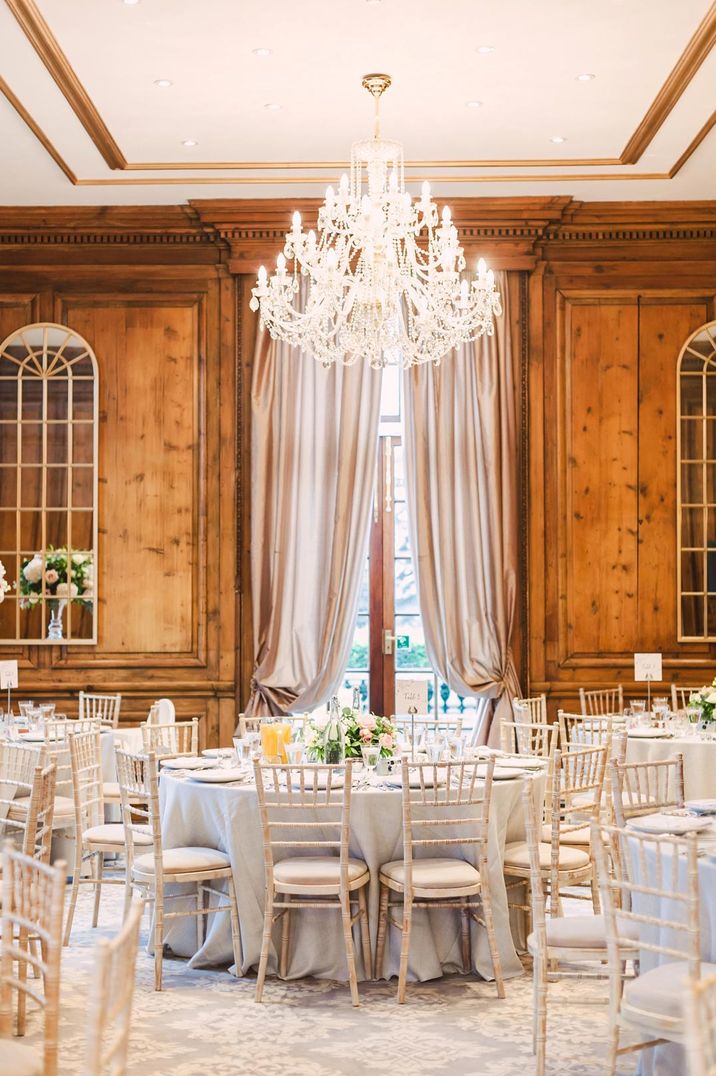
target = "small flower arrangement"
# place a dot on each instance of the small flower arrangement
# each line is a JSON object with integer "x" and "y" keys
{"x": 4, "y": 585}
{"x": 68, "y": 577}
{"x": 360, "y": 730}
{"x": 705, "y": 699}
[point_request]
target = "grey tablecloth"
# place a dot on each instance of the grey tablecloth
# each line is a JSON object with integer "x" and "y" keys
{"x": 227, "y": 819}
{"x": 699, "y": 760}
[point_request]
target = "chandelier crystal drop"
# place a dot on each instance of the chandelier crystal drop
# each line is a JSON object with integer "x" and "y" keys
{"x": 384, "y": 274}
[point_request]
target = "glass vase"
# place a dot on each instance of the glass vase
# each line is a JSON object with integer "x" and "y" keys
{"x": 54, "y": 628}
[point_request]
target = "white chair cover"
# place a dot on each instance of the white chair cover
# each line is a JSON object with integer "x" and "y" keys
{"x": 167, "y": 713}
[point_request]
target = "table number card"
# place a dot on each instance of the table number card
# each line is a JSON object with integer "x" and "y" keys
{"x": 647, "y": 667}
{"x": 8, "y": 675}
{"x": 411, "y": 695}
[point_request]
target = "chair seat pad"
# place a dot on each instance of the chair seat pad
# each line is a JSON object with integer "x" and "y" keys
{"x": 439, "y": 873}
{"x": 20, "y": 1059}
{"x": 661, "y": 991}
{"x": 110, "y": 790}
{"x": 112, "y": 833}
{"x": 316, "y": 870}
{"x": 570, "y": 858}
{"x": 583, "y": 932}
{"x": 189, "y": 860}
{"x": 572, "y": 838}
{"x": 64, "y": 805}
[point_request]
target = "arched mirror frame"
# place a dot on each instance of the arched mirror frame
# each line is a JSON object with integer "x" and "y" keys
{"x": 696, "y": 486}
{"x": 65, "y": 358}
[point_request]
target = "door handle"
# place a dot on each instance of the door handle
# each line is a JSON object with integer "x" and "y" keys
{"x": 388, "y": 640}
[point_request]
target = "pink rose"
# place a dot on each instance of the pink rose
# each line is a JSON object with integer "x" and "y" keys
{"x": 367, "y": 721}
{"x": 51, "y": 576}
{"x": 366, "y": 735}
{"x": 385, "y": 740}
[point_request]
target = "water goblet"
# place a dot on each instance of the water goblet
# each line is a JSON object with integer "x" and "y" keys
{"x": 241, "y": 747}
{"x": 371, "y": 755}
{"x": 693, "y": 713}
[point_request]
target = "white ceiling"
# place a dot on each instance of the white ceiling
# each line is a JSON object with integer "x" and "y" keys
{"x": 321, "y": 48}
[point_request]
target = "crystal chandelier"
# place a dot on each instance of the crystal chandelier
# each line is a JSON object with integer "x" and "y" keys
{"x": 384, "y": 275}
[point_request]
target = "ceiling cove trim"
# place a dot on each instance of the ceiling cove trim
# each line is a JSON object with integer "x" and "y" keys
{"x": 40, "y": 36}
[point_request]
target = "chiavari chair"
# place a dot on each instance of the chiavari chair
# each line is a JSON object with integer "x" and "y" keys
{"x": 608, "y": 700}
{"x": 150, "y": 867}
{"x": 557, "y": 944}
{"x": 426, "y": 726}
{"x": 435, "y": 818}
{"x": 94, "y": 838}
{"x": 640, "y": 788}
{"x": 700, "y": 1010}
{"x": 32, "y": 905}
{"x": 680, "y": 696}
{"x": 248, "y": 724}
{"x": 171, "y": 740}
{"x": 533, "y": 710}
{"x": 537, "y": 739}
{"x": 111, "y": 995}
{"x": 649, "y": 883}
{"x": 103, "y": 708}
{"x": 316, "y": 800}
{"x": 564, "y": 850}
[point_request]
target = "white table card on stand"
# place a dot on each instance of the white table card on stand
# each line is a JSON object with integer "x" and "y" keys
{"x": 647, "y": 668}
{"x": 8, "y": 679}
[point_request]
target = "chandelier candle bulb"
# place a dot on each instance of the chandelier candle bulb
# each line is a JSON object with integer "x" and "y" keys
{"x": 385, "y": 275}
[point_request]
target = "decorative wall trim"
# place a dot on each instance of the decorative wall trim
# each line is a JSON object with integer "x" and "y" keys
{"x": 524, "y": 478}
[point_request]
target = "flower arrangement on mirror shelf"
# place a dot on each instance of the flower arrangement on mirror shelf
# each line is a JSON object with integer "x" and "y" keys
{"x": 4, "y": 585}
{"x": 705, "y": 700}
{"x": 359, "y": 730}
{"x": 68, "y": 577}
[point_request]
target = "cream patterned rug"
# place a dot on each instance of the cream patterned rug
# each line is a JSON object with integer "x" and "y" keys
{"x": 206, "y": 1022}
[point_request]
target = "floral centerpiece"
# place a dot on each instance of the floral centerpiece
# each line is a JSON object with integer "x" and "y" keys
{"x": 705, "y": 699}
{"x": 68, "y": 577}
{"x": 4, "y": 585}
{"x": 359, "y": 730}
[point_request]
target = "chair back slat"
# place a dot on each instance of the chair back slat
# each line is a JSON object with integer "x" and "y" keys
{"x": 87, "y": 784}
{"x": 533, "y": 710}
{"x": 534, "y": 738}
{"x": 103, "y": 708}
{"x": 425, "y": 727}
{"x": 680, "y": 696}
{"x": 578, "y": 730}
{"x": 138, "y": 780}
{"x": 700, "y": 1010}
{"x": 608, "y": 700}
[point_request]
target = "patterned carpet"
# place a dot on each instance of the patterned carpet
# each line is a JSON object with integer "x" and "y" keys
{"x": 206, "y": 1022}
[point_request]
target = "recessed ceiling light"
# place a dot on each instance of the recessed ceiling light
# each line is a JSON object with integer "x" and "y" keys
{"x": 586, "y": 77}
{"x": 558, "y": 139}
{"x": 373, "y": 1}
{"x": 273, "y": 107}
{"x": 189, "y": 143}
{"x": 163, "y": 83}
{"x": 473, "y": 104}
{"x": 130, "y": 3}
{"x": 485, "y": 50}
{"x": 261, "y": 52}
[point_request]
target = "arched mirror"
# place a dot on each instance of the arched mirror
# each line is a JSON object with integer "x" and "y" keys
{"x": 48, "y": 486}
{"x": 696, "y": 486}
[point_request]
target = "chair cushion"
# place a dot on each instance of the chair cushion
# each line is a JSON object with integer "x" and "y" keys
{"x": 443, "y": 873}
{"x": 583, "y": 932}
{"x": 184, "y": 859}
{"x": 112, "y": 833}
{"x": 570, "y": 858}
{"x": 579, "y": 837}
{"x": 661, "y": 990}
{"x": 110, "y": 790}
{"x": 20, "y": 1059}
{"x": 316, "y": 870}
{"x": 64, "y": 805}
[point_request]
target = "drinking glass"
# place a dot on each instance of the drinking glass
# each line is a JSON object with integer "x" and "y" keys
{"x": 294, "y": 752}
{"x": 435, "y": 748}
{"x": 457, "y": 746}
{"x": 254, "y": 741}
{"x": 241, "y": 747}
{"x": 371, "y": 754}
{"x": 693, "y": 713}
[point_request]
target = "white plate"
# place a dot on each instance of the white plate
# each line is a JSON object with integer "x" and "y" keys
{"x": 219, "y": 776}
{"x": 218, "y": 752}
{"x": 501, "y": 773}
{"x": 395, "y": 780}
{"x": 672, "y": 824}
{"x": 185, "y": 762}
{"x": 318, "y": 781}
{"x": 648, "y": 734}
{"x": 521, "y": 762}
{"x": 704, "y": 807}
{"x": 33, "y": 737}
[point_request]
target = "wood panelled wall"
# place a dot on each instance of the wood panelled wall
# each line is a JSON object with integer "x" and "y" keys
{"x": 608, "y": 292}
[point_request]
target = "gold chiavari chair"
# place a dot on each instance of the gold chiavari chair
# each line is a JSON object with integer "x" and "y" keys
{"x": 151, "y": 869}
{"x": 316, "y": 800}
{"x": 559, "y": 943}
{"x": 103, "y": 708}
{"x": 564, "y": 850}
{"x": 640, "y": 788}
{"x": 680, "y": 696}
{"x": 608, "y": 700}
{"x": 533, "y": 710}
{"x": 448, "y": 810}
{"x": 94, "y": 838}
{"x": 173, "y": 739}
{"x": 111, "y": 994}
{"x": 32, "y": 904}
{"x": 700, "y": 1011}
{"x": 649, "y": 883}
{"x": 536, "y": 739}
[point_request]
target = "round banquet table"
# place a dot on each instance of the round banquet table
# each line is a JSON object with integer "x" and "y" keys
{"x": 227, "y": 818}
{"x": 699, "y": 760}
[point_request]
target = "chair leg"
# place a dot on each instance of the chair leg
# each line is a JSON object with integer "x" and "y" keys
{"x": 76, "y": 875}
{"x": 382, "y": 929}
{"x": 235, "y": 929}
{"x": 540, "y": 1014}
{"x": 486, "y": 897}
{"x": 596, "y": 905}
{"x": 127, "y": 897}
{"x": 285, "y": 939}
{"x": 22, "y": 943}
{"x": 200, "y": 918}
{"x": 158, "y": 936}
{"x": 97, "y": 871}
{"x": 404, "y": 947}
{"x": 265, "y": 944}
{"x": 350, "y": 951}
{"x": 466, "y": 954}
{"x": 365, "y": 933}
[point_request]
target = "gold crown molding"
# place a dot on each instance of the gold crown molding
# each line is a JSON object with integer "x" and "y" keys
{"x": 693, "y": 145}
{"x": 670, "y": 93}
{"x": 49, "y": 51}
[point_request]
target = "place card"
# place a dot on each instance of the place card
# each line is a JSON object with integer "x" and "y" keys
{"x": 647, "y": 667}
{"x": 411, "y": 695}
{"x": 8, "y": 675}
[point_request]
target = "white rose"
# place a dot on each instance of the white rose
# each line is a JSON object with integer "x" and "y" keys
{"x": 711, "y": 697}
{"x": 63, "y": 591}
{"x": 33, "y": 570}
{"x": 79, "y": 558}
{"x": 321, "y": 721}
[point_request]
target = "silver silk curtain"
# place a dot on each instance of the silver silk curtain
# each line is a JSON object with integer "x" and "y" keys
{"x": 461, "y": 454}
{"x": 313, "y": 462}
